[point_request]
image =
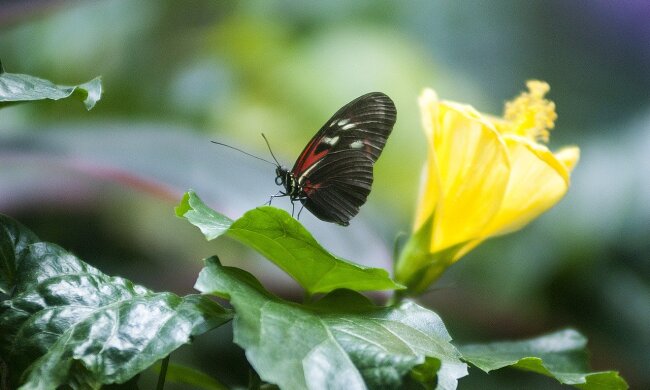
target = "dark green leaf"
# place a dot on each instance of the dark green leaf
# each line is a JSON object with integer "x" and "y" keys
{"x": 341, "y": 341}
{"x": 425, "y": 373}
{"x": 177, "y": 373}
{"x": 560, "y": 355}
{"x": 69, "y": 323}
{"x": 284, "y": 241}
{"x": 16, "y": 87}
{"x": 14, "y": 239}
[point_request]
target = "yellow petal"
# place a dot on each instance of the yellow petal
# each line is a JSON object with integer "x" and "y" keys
{"x": 430, "y": 183}
{"x": 569, "y": 156}
{"x": 473, "y": 169}
{"x": 538, "y": 180}
{"x": 484, "y": 176}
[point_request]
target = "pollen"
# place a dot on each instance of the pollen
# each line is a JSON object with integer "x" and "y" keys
{"x": 530, "y": 114}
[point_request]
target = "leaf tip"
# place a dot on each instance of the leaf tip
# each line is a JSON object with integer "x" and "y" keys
{"x": 93, "y": 92}
{"x": 184, "y": 206}
{"x": 212, "y": 260}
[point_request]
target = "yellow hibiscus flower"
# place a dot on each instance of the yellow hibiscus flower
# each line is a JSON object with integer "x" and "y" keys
{"x": 485, "y": 176}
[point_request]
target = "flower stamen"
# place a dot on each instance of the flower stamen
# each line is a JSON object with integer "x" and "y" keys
{"x": 529, "y": 114}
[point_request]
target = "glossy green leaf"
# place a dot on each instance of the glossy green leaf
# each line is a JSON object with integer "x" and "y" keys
{"x": 342, "y": 341}
{"x": 16, "y": 87}
{"x": 69, "y": 323}
{"x": 14, "y": 239}
{"x": 283, "y": 240}
{"x": 560, "y": 355}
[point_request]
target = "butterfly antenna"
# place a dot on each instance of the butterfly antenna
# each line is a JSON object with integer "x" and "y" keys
{"x": 269, "y": 146}
{"x": 239, "y": 150}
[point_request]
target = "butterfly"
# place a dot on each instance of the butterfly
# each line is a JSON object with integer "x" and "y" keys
{"x": 333, "y": 175}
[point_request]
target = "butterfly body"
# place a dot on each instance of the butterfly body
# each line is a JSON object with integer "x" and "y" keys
{"x": 333, "y": 175}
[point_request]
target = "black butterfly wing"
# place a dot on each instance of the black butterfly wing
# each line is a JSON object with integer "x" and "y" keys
{"x": 335, "y": 168}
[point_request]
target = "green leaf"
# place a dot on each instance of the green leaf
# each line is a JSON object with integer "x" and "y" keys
{"x": 69, "y": 323}
{"x": 283, "y": 240}
{"x": 16, "y": 87}
{"x": 211, "y": 223}
{"x": 177, "y": 373}
{"x": 560, "y": 355}
{"x": 425, "y": 373}
{"x": 14, "y": 239}
{"x": 341, "y": 341}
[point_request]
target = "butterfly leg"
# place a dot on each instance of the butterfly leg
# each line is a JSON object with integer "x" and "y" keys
{"x": 278, "y": 195}
{"x": 302, "y": 207}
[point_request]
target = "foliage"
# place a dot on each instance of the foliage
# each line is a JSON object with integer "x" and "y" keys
{"x": 284, "y": 241}
{"x": 340, "y": 341}
{"x": 15, "y": 88}
{"x": 68, "y": 323}
{"x": 64, "y": 322}
{"x": 177, "y": 373}
{"x": 14, "y": 240}
{"x": 560, "y": 355}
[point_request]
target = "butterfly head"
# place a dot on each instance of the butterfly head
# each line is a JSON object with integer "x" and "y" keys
{"x": 282, "y": 176}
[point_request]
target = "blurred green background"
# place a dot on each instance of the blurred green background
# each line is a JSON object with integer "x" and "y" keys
{"x": 177, "y": 74}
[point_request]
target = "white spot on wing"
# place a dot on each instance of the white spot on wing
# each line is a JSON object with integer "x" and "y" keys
{"x": 348, "y": 126}
{"x": 330, "y": 140}
{"x": 358, "y": 144}
{"x": 343, "y": 122}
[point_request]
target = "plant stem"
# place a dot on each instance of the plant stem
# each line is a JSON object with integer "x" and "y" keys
{"x": 163, "y": 373}
{"x": 4, "y": 370}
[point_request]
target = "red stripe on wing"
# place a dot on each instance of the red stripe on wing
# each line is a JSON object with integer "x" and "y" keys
{"x": 308, "y": 157}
